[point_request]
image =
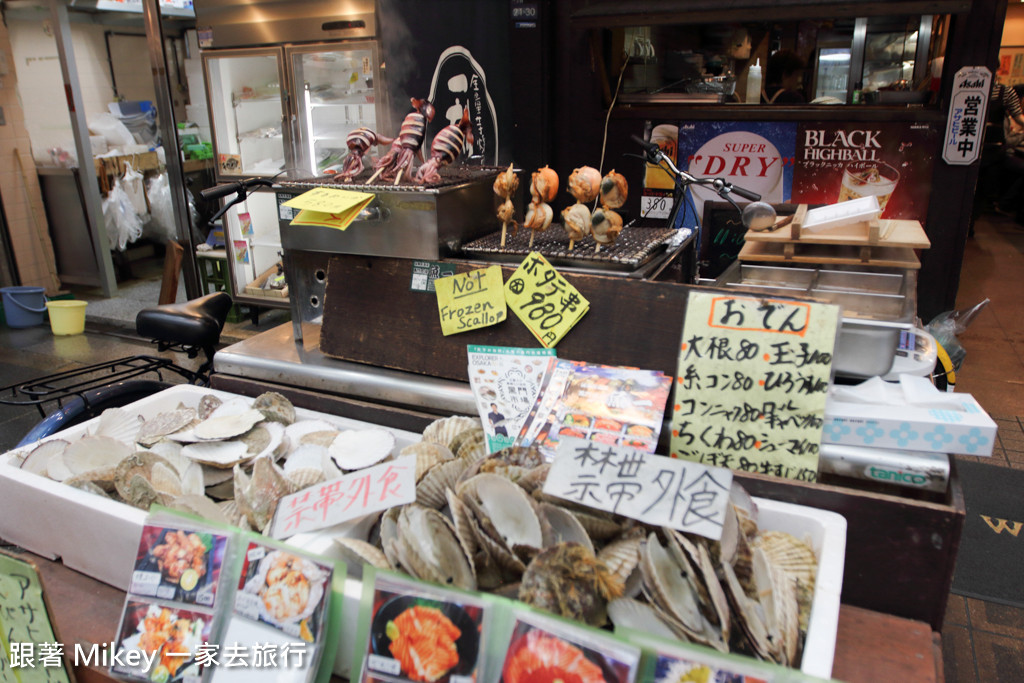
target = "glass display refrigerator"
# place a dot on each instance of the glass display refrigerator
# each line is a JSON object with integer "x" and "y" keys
{"x": 282, "y": 112}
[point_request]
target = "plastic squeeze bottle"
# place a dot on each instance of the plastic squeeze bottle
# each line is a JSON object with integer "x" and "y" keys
{"x": 754, "y": 83}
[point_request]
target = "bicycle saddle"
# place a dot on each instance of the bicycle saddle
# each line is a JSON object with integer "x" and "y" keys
{"x": 194, "y": 323}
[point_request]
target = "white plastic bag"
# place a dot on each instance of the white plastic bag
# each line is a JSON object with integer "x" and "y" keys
{"x": 110, "y": 127}
{"x": 136, "y": 191}
{"x": 161, "y": 224}
{"x": 121, "y": 219}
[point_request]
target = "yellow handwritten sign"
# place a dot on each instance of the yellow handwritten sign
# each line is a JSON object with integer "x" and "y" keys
{"x": 30, "y": 649}
{"x": 330, "y": 207}
{"x": 752, "y": 382}
{"x": 468, "y": 301}
{"x": 544, "y": 300}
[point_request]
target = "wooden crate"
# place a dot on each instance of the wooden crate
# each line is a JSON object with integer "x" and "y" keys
{"x": 255, "y": 288}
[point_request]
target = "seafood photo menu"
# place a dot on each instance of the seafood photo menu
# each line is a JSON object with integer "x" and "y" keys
{"x": 423, "y": 633}
{"x": 176, "y": 564}
{"x": 601, "y": 403}
{"x": 546, "y": 649}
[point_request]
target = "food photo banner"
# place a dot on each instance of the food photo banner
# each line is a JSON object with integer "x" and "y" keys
{"x": 752, "y": 382}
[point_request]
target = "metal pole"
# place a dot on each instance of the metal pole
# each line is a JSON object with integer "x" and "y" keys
{"x": 87, "y": 174}
{"x": 169, "y": 135}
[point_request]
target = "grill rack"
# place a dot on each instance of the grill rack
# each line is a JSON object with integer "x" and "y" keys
{"x": 634, "y": 248}
{"x": 451, "y": 177}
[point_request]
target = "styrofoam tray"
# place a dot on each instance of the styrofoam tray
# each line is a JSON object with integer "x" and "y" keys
{"x": 94, "y": 535}
{"x": 99, "y": 537}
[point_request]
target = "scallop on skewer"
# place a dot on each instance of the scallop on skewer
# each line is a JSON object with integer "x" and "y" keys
{"x": 505, "y": 185}
{"x": 543, "y": 188}
{"x": 584, "y": 185}
{"x": 606, "y": 224}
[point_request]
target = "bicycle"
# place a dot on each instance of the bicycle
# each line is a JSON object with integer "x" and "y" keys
{"x": 190, "y": 327}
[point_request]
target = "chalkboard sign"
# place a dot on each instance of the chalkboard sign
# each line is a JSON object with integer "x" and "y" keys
{"x": 722, "y": 236}
{"x": 30, "y": 649}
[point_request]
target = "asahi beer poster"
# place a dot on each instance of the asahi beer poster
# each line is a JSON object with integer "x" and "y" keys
{"x": 757, "y": 156}
{"x": 890, "y": 160}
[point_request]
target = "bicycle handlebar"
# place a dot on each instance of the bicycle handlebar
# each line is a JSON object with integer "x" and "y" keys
{"x": 219, "y": 191}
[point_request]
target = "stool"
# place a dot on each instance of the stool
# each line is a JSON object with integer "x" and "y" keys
{"x": 214, "y": 277}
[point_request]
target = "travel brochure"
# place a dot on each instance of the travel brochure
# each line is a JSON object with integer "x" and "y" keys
{"x": 600, "y": 403}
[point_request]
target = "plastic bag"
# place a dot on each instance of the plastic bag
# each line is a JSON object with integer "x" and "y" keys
{"x": 110, "y": 127}
{"x": 132, "y": 182}
{"x": 161, "y": 224}
{"x": 121, "y": 219}
{"x": 946, "y": 326}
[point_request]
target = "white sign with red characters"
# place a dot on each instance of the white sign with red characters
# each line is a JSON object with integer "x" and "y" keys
{"x": 354, "y": 495}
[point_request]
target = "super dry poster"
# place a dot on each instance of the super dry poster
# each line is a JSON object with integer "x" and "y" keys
{"x": 893, "y": 161}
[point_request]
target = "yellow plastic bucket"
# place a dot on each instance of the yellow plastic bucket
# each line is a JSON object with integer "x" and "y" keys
{"x": 67, "y": 316}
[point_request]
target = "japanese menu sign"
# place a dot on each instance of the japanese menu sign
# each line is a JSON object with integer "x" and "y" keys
{"x": 367, "y": 490}
{"x": 29, "y": 648}
{"x": 472, "y": 300}
{"x": 752, "y": 381}
{"x": 544, "y": 300}
{"x": 968, "y": 107}
{"x": 651, "y": 488}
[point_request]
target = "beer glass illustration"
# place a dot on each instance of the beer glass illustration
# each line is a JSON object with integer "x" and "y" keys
{"x": 865, "y": 179}
{"x": 665, "y": 136}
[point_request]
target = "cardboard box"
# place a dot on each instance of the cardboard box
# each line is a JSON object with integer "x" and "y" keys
{"x": 963, "y": 427}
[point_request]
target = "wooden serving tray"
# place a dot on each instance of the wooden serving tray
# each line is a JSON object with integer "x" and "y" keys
{"x": 829, "y": 254}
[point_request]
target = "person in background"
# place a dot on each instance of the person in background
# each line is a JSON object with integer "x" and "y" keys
{"x": 784, "y": 79}
{"x": 1001, "y": 170}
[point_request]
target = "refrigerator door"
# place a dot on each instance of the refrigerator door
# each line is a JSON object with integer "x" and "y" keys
{"x": 248, "y": 99}
{"x": 337, "y": 89}
{"x": 833, "y": 76}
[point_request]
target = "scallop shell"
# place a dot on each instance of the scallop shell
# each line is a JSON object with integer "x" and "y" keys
{"x": 263, "y": 439}
{"x": 165, "y": 480}
{"x": 192, "y": 481}
{"x": 235, "y": 405}
{"x": 472, "y": 447}
{"x": 258, "y": 495}
{"x": 600, "y": 528}
{"x": 38, "y": 458}
{"x": 94, "y": 452}
{"x": 297, "y": 431}
{"x": 745, "y": 614}
{"x": 445, "y": 430}
{"x": 565, "y": 527}
{"x": 669, "y": 586}
{"x": 119, "y": 424}
{"x": 389, "y": 535}
{"x": 507, "y": 508}
{"x": 217, "y": 453}
{"x": 212, "y": 476}
{"x": 787, "y": 552}
{"x": 230, "y": 510}
{"x": 429, "y": 546}
{"x": 534, "y": 478}
{"x": 224, "y": 490}
{"x": 355, "y": 449}
{"x": 207, "y": 404}
{"x": 428, "y": 455}
{"x": 622, "y": 557}
{"x": 633, "y": 614}
{"x": 321, "y": 438}
{"x": 56, "y": 468}
{"x": 138, "y": 464}
{"x": 304, "y": 477}
{"x": 357, "y": 553}
{"x": 777, "y": 594}
{"x": 103, "y": 478}
{"x": 83, "y": 484}
{"x": 138, "y": 492}
{"x": 275, "y": 407}
{"x": 472, "y": 435}
{"x": 202, "y": 506}
{"x": 171, "y": 451}
{"x": 430, "y": 491}
{"x": 164, "y": 424}
{"x": 227, "y": 426}
{"x": 307, "y": 456}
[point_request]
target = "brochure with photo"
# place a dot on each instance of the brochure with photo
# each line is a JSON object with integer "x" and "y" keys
{"x": 505, "y": 382}
{"x": 179, "y": 564}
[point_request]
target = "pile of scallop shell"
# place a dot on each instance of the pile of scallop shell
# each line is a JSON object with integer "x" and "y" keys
{"x": 480, "y": 521}
{"x": 228, "y": 461}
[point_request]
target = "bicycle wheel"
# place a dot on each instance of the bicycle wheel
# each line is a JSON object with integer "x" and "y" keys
{"x": 91, "y": 404}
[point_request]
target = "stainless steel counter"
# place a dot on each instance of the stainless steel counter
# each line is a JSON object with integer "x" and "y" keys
{"x": 275, "y": 356}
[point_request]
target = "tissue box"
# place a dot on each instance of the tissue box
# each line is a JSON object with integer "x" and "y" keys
{"x": 967, "y": 430}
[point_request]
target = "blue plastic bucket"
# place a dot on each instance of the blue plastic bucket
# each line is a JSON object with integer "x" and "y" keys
{"x": 24, "y": 306}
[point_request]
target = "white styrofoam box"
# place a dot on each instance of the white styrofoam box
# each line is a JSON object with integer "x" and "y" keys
{"x": 825, "y": 531}
{"x": 94, "y": 535}
{"x": 966, "y": 428}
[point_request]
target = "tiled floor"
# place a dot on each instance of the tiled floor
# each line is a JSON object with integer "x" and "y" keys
{"x": 981, "y": 641}
{"x": 984, "y": 641}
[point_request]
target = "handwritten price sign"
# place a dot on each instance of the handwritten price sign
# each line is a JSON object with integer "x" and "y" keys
{"x": 752, "y": 382}
{"x": 368, "y": 490}
{"x": 470, "y": 300}
{"x": 544, "y": 300}
{"x": 651, "y": 488}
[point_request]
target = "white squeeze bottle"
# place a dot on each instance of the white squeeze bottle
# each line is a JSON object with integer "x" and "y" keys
{"x": 754, "y": 83}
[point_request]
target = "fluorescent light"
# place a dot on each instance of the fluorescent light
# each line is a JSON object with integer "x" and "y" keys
{"x": 840, "y": 56}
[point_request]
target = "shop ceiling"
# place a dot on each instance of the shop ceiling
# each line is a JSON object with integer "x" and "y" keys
{"x": 608, "y": 14}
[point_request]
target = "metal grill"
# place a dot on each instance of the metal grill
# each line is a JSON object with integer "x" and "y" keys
{"x": 451, "y": 177}
{"x": 634, "y": 248}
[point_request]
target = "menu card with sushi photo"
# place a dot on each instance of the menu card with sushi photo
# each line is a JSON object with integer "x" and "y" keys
{"x": 601, "y": 403}
{"x": 420, "y": 632}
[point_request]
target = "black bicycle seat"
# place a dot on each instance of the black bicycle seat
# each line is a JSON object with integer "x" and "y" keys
{"x": 194, "y": 323}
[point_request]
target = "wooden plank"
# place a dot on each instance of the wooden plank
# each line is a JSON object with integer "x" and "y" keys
{"x": 900, "y": 552}
{"x": 868, "y": 642}
{"x": 372, "y": 316}
{"x": 891, "y": 233}
{"x": 824, "y": 254}
{"x": 172, "y": 268}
